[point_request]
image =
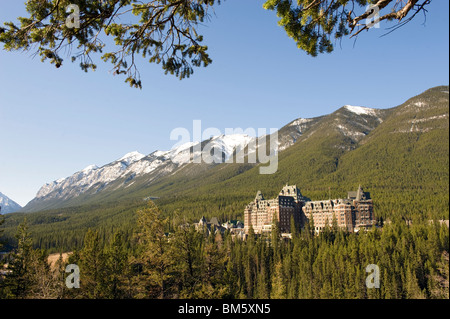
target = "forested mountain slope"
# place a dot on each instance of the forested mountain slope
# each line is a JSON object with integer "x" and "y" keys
{"x": 400, "y": 155}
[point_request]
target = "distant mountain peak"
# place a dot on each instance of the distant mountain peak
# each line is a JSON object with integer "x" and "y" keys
{"x": 8, "y": 205}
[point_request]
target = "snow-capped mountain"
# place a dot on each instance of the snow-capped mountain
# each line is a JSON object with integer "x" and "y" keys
{"x": 354, "y": 122}
{"x": 7, "y": 205}
{"x": 123, "y": 171}
{"x": 90, "y": 176}
{"x": 402, "y": 147}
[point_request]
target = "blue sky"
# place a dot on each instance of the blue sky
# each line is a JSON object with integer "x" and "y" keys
{"x": 54, "y": 122}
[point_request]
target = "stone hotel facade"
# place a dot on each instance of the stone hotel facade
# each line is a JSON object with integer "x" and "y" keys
{"x": 353, "y": 213}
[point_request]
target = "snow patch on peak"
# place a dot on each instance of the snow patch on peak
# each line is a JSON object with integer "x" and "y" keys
{"x": 300, "y": 121}
{"x": 180, "y": 148}
{"x": 86, "y": 170}
{"x": 361, "y": 110}
{"x": 233, "y": 140}
{"x": 131, "y": 157}
{"x": 158, "y": 153}
{"x": 226, "y": 143}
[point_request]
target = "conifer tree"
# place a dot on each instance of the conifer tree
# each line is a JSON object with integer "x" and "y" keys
{"x": 18, "y": 282}
{"x": 413, "y": 290}
{"x": 154, "y": 252}
{"x": 187, "y": 245}
{"x": 311, "y": 226}
{"x": 334, "y": 224}
{"x": 275, "y": 239}
{"x": 92, "y": 267}
{"x": 262, "y": 289}
{"x": 116, "y": 265}
{"x": 294, "y": 227}
{"x": 213, "y": 271}
{"x": 279, "y": 290}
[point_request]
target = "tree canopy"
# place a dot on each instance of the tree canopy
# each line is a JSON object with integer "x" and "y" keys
{"x": 165, "y": 31}
{"x": 168, "y": 258}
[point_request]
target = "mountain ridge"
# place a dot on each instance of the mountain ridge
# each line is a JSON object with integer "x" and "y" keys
{"x": 405, "y": 170}
{"x": 332, "y": 136}
{"x": 94, "y": 179}
{"x": 354, "y": 122}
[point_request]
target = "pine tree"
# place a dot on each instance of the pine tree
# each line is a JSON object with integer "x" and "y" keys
{"x": 334, "y": 225}
{"x": 294, "y": 228}
{"x": 115, "y": 267}
{"x": 154, "y": 252}
{"x": 311, "y": 226}
{"x": 411, "y": 285}
{"x": 18, "y": 282}
{"x": 213, "y": 271}
{"x": 92, "y": 267}
{"x": 275, "y": 240}
{"x": 262, "y": 289}
{"x": 279, "y": 289}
